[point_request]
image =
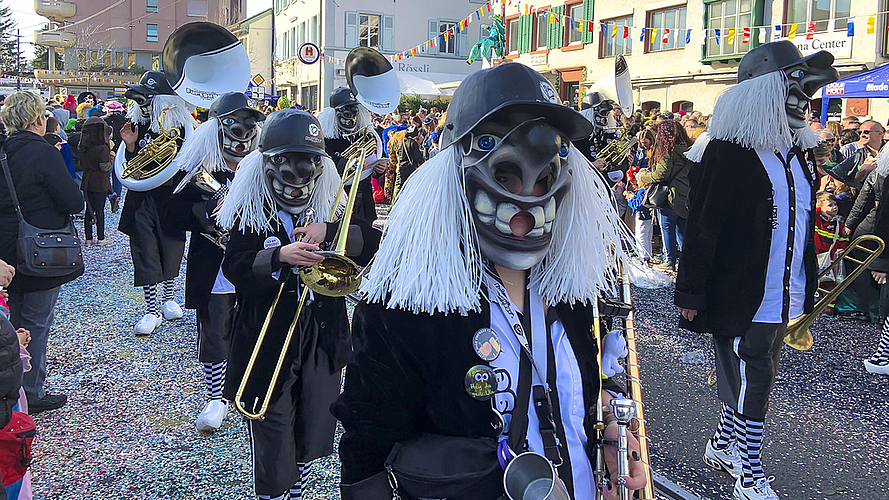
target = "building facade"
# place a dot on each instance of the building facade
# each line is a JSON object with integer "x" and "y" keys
{"x": 689, "y": 50}
{"x": 255, "y": 33}
{"x": 126, "y": 35}
{"x": 338, "y": 26}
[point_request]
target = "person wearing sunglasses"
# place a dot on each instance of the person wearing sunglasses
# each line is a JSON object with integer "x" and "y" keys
{"x": 860, "y": 157}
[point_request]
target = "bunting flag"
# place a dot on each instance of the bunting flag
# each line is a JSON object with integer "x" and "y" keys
{"x": 626, "y": 32}
{"x": 717, "y": 33}
{"x": 871, "y": 20}
{"x": 642, "y": 35}
{"x": 792, "y": 33}
{"x": 731, "y": 36}
{"x": 778, "y": 32}
{"x": 552, "y": 18}
{"x": 613, "y": 31}
{"x": 687, "y": 36}
{"x": 591, "y": 27}
{"x": 666, "y": 39}
{"x": 810, "y": 31}
{"x": 746, "y": 38}
{"x": 850, "y": 27}
{"x": 761, "y": 35}
{"x": 527, "y": 9}
{"x": 653, "y": 36}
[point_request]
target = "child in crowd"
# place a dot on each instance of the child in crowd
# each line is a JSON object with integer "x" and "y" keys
{"x": 644, "y": 222}
{"x": 829, "y": 240}
{"x": 21, "y": 489}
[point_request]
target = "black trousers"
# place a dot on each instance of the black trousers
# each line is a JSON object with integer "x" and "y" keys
{"x": 746, "y": 368}
{"x": 156, "y": 255}
{"x": 214, "y": 328}
{"x": 95, "y": 204}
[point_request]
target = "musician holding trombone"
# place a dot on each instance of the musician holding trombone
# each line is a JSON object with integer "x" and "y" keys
{"x": 748, "y": 261}
{"x": 283, "y": 191}
{"x": 476, "y": 372}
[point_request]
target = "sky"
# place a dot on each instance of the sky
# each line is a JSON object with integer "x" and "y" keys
{"x": 28, "y": 21}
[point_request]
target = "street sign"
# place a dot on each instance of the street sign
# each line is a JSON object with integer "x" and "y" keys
{"x": 258, "y": 80}
{"x": 309, "y": 53}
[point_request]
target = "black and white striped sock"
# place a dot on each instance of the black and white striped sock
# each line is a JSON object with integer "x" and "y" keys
{"x": 269, "y": 497}
{"x": 881, "y": 356}
{"x": 725, "y": 432}
{"x": 750, "y": 434}
{"x": 168, "y": 290}
{"x": 296, "y": 492}
{"x": 214, "y": 376}
{"x": 150, "y": 292}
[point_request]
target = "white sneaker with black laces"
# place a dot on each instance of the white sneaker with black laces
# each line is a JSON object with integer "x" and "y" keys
{"x": 761, "y": 490}
{"x": 728, "y": 460}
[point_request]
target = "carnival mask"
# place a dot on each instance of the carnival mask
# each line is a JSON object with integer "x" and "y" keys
{"x": 347, "y": 118}
{"x": 803, "y": 80}
{"x": 239, "y": 132}
{"x": 516, "y": 176}
{"x": 291, "y": 178}
{"x": 144, "y": 104}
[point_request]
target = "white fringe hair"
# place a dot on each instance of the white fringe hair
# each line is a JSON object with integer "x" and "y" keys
{"x": 249, "y": 202}
{"x": 752, "y": 114}
{"x": 429, "y": 260}
{"x": 202, "y": 144}
{"x": 178, "y": 113}
{"x": 331, "y": 127}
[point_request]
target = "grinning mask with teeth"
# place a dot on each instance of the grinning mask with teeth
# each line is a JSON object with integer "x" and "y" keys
{"x": 142, "y": 111}
{"x": 516, "y": 175}
{"x": 291, "y": 178}
{"x": 802, "y": 82}
{"x": 347, "y": 118}
{"x": 238, "y": 133}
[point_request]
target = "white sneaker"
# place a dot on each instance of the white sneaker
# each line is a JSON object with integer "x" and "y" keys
{"x": 761, "y": 490}
{"x": 172, "y": 310}
{"x": 147, "y": 324}
{"x": 728, "y": 460}
{"x": 872, "y": 367}
{"x": 211, "y": 416}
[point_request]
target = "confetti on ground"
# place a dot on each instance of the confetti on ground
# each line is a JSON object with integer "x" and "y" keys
{"x": 128, "y": 428}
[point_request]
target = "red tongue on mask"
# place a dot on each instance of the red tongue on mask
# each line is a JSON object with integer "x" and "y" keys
{"x": 239, "y": 148}
{"x": 521, "y": 223}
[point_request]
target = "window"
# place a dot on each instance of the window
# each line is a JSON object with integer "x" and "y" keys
{"x": 106, "y": 59}
{"x": 729, "y": 17}
{"x": 542, "y": 27}
{"x": 315, "y": 29}
{"x": 618, "y": 45}
{"x": 197, "y": 8}
{"x": 285, "y": 53}
{"x": 575, "y": 12}
{"x": 449, "y": 46}
{"x": 672, "y": 19}
{"x": 81, "y": 57}
{"x": 368, "y": 30}
{"x": 118, "y": 60}
{"x": 309, "y": 97}
{"x": 819, "y": 11}
{"x": 156, "y": 62}
{"x": 94, "y": 58}
{"x": 515, "y": 35}
{"x": 151, "y": 32}
{"x": 131, "y": 60}
{"x": 302, "y": 34}
{"x": 151, "y": 6}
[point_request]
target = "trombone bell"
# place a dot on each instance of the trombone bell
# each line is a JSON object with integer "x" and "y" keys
{"x": 336, "y": 276}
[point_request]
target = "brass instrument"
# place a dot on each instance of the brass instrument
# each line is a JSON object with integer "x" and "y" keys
{"x": 338, "y": 275}
{"x": 204, "y": 181}
{"x": 239, "y": 405}
{"x": 148, "y": 169}
{"x": 798, "y": 335}
{"x": 617, "y": 151}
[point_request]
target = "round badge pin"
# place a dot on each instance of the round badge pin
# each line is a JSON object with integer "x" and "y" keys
{"x": 480, "y": 382}
{"x": 486, "y": 343}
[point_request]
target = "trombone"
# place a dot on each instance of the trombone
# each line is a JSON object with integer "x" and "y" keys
{"x": 336, "y": 276}
{"x": 798, "y": 335}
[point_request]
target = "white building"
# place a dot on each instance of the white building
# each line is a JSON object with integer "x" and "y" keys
{"x": 255, "y": 33}
{"x": 337, "y": 26}
{"x": 675, "y": 75}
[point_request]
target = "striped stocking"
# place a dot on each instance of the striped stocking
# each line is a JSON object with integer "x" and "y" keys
{"x": 296, "y": 492}
{"x": 750, "y": 445}
{"x": 168, "y": 290}
{"x": 881, "y": 356}
{"x": 151, "y": 304}
{"x": 725, "y": 432}
{"x": 214, "y": 376}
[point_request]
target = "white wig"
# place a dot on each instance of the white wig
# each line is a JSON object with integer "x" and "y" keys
{"x": 202, "y": 147}
{"x": 249, "y": 202}
{"x": 331, "y": 127}
{"x": 178, "y": 113}
{"x": 752, "y": 114}
{"x": 429, "y": 259}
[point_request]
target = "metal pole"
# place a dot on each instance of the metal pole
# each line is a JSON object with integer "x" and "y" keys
{"x": 274, "y": 77}
{"x": 320, "y": 58}
{"x": 18, "y": 59}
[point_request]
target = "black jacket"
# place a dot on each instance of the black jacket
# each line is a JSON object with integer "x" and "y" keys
{"x": 47, "y": 194}
{"x": 407, "y": 378}
{"x": 861, "y": 218}
{"x": 365, "y": 209}
{"x": 722, "y": 272}
{"x": 881, "y": 229}
{"x": 249, "y": 266}
{"x": 10, "y": 370}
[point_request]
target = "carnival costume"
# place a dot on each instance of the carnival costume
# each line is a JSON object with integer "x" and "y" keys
{"x": 270, "y": 196}
{"x": 750, "y": 229}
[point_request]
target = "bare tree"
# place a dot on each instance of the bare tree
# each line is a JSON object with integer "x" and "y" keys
{"x": 94, "y": 50}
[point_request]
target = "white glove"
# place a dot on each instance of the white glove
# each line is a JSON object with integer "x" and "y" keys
{"x": 614, "y": 347}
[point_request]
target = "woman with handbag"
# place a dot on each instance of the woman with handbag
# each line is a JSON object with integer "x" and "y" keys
{"x": 96, "y": 159}
{"x": 47, "y": 196}
{"x": 669, "y": 171}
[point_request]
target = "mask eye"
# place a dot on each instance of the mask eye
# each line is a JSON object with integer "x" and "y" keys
{"x": 316, "y": 159}
{"x": 485, "y": 142}
{"x": 564, "y": 149}
{"x": 797, "y": 74}
{"x": 278, "y": 160}
{"x": 228, "y": 121}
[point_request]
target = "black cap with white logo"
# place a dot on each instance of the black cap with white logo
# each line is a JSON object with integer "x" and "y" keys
{"x": 230, "y": 102}
{"x": 151, "y": 84}
{"x": 291, "y": 131}
{"x": 342, "y": 96}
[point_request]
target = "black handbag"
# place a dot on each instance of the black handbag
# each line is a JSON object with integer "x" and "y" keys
{"x": 432, "y": 466}
{"x": 656, "y": 196}
{"x": 44, "y": 253}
